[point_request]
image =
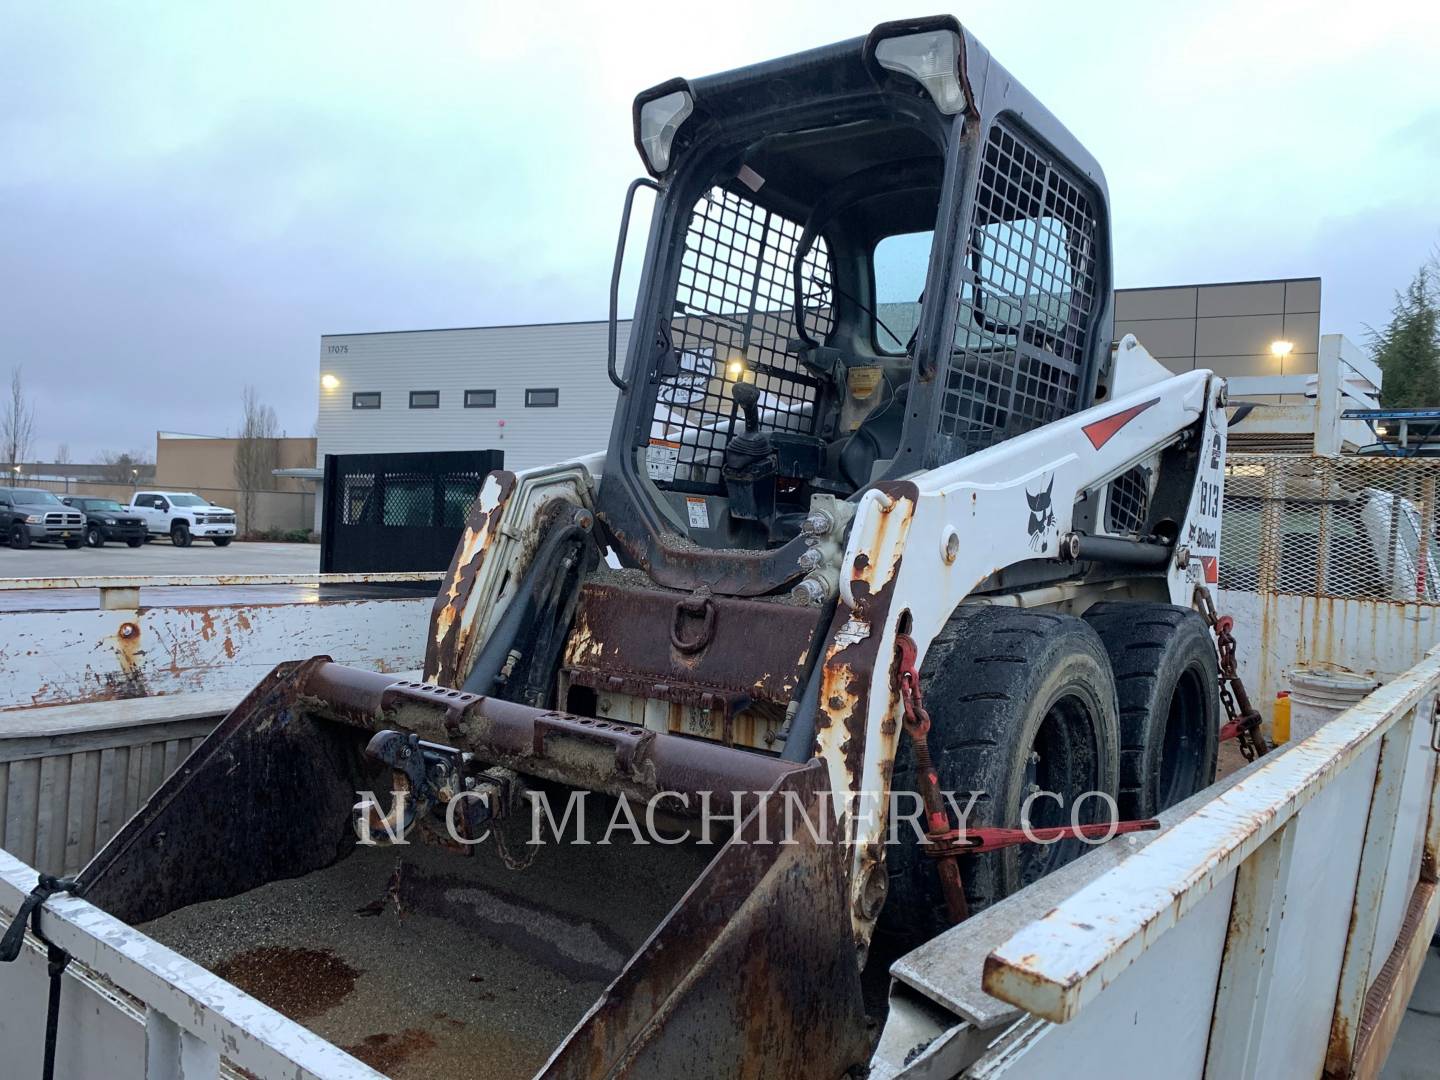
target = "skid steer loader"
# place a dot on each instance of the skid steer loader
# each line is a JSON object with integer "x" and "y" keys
{"x": 883, "y": 510}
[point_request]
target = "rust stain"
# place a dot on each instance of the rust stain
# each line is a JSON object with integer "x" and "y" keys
{"x": 207, "y": 625}
{"x": 385, "y": 1052}
{"x": 301, "y": 983}
{"x": 852, "y": 658}
{"x": 450, "y": 631}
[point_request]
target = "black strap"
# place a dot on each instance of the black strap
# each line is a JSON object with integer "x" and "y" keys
{"x": 57, "y": 958}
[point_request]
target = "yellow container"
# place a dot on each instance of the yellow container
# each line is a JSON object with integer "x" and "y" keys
{"x": 1280, "y": 719}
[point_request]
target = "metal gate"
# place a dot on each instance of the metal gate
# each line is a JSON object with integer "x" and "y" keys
{"x": 398, "y": 512}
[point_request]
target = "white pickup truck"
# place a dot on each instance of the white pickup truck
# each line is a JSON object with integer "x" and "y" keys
{"x": 183, "y": 516}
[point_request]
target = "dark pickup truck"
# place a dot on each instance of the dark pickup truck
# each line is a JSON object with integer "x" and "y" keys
{"x": 31, "y": 515}
{"x": 106, "y": 519}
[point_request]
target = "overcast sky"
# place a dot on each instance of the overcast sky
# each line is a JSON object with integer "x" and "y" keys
{"x": 192, "y": 193}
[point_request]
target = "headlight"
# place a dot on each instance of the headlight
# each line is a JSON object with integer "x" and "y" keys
{"x": 109, "y": 521}
{"x": 35, "y": 519}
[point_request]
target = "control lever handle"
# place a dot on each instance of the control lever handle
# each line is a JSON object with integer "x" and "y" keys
{"x": 747, "y": 396}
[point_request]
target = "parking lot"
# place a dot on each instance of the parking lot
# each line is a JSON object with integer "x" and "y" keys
{"x": 159, "y": 557}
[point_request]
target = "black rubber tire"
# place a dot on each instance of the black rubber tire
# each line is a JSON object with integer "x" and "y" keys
{"x": 998, "y": 682}
{"x": 221, "y": 541}
{"x": 19, "y": 537}
{"x": 95, "y": 537}
{"x": 136, "y": 541}
{"x": 1167, "y": 678}
{"x": 74, "y": 542}
{"x": 180, "y": 534}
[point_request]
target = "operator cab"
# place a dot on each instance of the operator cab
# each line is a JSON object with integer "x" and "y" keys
{"x": 801, "y": 333}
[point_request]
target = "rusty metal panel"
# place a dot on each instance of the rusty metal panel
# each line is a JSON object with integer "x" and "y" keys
{"x": 753, "y": 974}
{"x": 453, "y": 634}
{"x": 67, "y": 657}
{"x": 1279, "y": 632}
{"x": 156, "y": 581}
{"x": 723, "y": 666}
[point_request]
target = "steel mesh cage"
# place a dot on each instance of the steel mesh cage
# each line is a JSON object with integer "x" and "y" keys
{"x": 1362, "y": 527}
{"x": 1128, "y": 502}
{"x": 734, "y": 302}
{"x": 1024, "y": 320}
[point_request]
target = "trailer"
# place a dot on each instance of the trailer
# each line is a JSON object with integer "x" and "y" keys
{"x": 824, "y": 566}
{"x": 1274, "y": 926}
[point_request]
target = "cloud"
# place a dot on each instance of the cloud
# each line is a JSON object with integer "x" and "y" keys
{"x": 193, "y": 194}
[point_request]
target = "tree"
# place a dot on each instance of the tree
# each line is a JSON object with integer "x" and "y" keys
{"x": 1408, "y": 348}
{"x": 62, "y": 454}
{"x": 121, "y": 468}
{"x": 256, "y": 454}
{"x": 17, "y": 423}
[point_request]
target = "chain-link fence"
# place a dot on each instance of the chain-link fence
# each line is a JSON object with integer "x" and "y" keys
{"x": 1362, "y": 527}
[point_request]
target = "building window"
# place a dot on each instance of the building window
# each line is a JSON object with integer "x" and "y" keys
{"x": 479, "y": 399}
{"x": 365, "y": 399}
{"x": 546, "y": 398}
{"x": 424, "y": 399}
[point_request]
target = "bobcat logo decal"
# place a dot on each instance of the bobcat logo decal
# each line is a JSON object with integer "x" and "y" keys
{"x": 1042, "y": 516}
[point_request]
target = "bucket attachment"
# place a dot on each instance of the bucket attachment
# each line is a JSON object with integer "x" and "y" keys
{"x": 754, "y": 972}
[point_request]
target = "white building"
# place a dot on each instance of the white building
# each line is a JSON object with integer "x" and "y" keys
{"x": 539, "y": 392}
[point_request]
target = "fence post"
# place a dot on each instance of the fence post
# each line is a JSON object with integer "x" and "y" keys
{"x": 1271, "y": 515}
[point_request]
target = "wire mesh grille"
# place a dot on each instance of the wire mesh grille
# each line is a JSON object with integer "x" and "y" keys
{"x": 1025, "y": 310}
{"x": 1128, "y": 502}
{"x": 1362, "y": 527}
{"x": 734, "y": 302}
{"x": 409, "y": 499}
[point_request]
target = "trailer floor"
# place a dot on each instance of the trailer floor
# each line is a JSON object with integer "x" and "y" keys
{"x": 481, "y": 970}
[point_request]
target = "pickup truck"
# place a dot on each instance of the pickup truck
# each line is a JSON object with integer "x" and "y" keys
{"x": 106, "y": 519}
{"x": 28, "y": 515}
{"x": 182, "y": 516}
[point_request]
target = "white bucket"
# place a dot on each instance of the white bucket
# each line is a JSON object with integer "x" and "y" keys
{"x": 1317, "y": 697}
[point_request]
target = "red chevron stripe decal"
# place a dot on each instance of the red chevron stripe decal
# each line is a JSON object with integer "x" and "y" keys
{"x": 1102, "y": 431}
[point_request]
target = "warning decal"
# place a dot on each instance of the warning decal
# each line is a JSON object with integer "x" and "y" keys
{"x": 660, "y": 459}
{"x": 699, "y": 512}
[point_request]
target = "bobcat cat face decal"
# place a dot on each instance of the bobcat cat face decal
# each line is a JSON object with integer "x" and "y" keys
{"x": 1042, "y": 515}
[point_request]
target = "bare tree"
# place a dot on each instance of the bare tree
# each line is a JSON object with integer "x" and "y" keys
{"x": 62, "y": 454}
{"x": 122, "y": 467}
{"x": 17, "y": 423}
{"x": 256, "y": 454}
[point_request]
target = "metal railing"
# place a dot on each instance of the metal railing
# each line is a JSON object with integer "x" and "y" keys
{"x": 133, "y": 1008}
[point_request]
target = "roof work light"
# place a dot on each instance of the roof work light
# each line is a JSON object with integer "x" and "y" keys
{"x": 656, "y": 124}
{"x": 929, "y": 51}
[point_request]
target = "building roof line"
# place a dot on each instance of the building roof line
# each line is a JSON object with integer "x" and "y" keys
{"x": 493, "y": 326}
{"x": 1216, "y": 284}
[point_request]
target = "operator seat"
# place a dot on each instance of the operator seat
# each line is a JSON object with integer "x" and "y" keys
{"x": 876, "y": 439}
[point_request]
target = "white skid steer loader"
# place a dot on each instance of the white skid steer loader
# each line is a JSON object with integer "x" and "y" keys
{"x": 884, "y": 510}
